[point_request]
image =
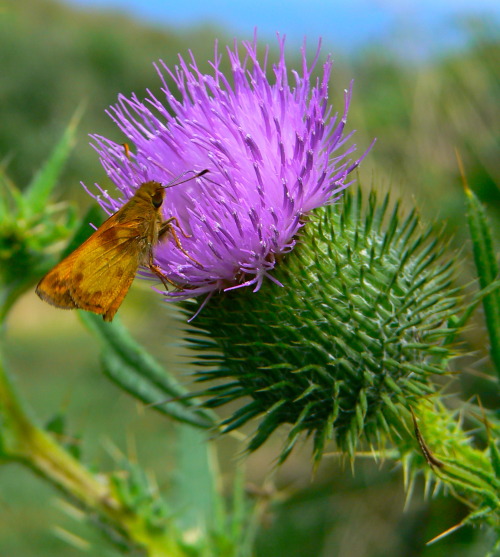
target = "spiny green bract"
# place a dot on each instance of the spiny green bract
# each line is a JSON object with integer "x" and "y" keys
{"x": 358, "y": 330}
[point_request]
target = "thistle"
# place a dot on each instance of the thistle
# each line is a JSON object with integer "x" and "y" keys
{"x": 274, "y": 151}
{"x": 346, "y": 320}
{"x": 349, "y": 345}
{"x": 352, "y": 313}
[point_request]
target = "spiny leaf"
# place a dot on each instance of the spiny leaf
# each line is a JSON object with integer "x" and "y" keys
{"x": 487, "y": 270}
{"x": 130, "y": 381}
{"x": 41, "y": 187}
{"x": 193, "y": 490}
{"x": 130, "y": 365}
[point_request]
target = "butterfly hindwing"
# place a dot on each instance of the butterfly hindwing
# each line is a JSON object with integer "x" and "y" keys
{"x": 97, "y": 275}
{"x": 54, "y": 287}
{"x": 100, "y": 281}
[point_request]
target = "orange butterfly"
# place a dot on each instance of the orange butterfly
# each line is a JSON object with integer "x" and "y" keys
{"x": 97, "y": 275}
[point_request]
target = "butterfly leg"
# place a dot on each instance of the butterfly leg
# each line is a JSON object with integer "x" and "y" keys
{"x": 167, "y": 227}
{"x": 157, "y": 271}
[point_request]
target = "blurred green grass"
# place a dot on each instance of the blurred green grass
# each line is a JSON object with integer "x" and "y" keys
{"x": 52, "y": 59}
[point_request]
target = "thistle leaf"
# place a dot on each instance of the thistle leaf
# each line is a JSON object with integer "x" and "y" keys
{"x": 487, "y": 270}
{"x": 193, "y": 491}
{"x": 41, "y": 187}
{"x": 136, "y": 371}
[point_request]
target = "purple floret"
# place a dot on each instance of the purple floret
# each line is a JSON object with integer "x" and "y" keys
{"x": 273, "y": 150}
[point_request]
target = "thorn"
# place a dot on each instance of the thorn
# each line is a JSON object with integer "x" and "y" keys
{"x": 409, "y": 493}
{"x": 69, "y": 509}
{"x": 462, "y": 170}
{"x": 484, "y": 418}
{"x": 71, "y": 539}
{"x": 445, "y": 533}
{"x": 405, "y": 461}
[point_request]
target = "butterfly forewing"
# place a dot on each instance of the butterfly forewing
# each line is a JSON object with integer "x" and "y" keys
{"x": 97, "y": 275}
{"x": 53, "y": 288}
{"x": 101, "y": 279}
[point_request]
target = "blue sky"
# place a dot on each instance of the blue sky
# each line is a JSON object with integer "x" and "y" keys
{"x": 341, "y": 23}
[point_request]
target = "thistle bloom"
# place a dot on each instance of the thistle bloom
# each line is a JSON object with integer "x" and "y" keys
{"x": 274, "y": 152}
{"x": 359, "y": 331}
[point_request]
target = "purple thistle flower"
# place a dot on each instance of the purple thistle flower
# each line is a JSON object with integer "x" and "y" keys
{"x": 274, "y": 151}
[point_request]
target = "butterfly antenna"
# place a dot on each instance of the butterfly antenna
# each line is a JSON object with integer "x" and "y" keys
{"x": 177, "y": 181}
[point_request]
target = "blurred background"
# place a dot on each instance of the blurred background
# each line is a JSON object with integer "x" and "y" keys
{"x": 426, "y": 82}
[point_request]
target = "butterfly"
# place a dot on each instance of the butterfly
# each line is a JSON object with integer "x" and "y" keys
{"x": 98, "y": 274}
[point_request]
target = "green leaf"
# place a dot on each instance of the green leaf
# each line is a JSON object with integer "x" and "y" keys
{"x": 3, "y": 195}
{"x": 11, "y": 199}
{"x": 487, "y": 270}
{"x": 193, "y": 492}
{"x": 130, "y": 380}
{"x": 135, "y": 370}
{"x": 494, "y": 458}
{"x": 41, "y": 187}
{"x": 56, "y": 424}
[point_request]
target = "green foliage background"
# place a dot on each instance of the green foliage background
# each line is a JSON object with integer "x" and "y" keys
{"x": 52, "y": 59}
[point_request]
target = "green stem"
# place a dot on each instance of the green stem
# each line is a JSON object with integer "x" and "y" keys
{"x": 22, "y": 441}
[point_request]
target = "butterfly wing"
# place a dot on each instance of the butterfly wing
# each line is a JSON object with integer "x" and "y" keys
{"x": 53, "y": 288}
{"x": 97, "y": 275}
{"x": 101, "y": 280}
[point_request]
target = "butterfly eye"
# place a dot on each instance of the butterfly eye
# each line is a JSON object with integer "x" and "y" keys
{"x": 157, "y": 199}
